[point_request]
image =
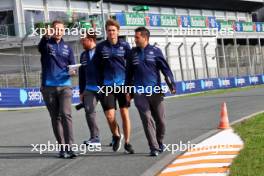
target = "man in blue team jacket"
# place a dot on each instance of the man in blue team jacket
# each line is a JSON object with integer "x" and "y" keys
{"x": 143, "y": 72}
{"x": 111, "y": 56}
{"x": 56, "y": 89}
{"x": 88, "y": 81}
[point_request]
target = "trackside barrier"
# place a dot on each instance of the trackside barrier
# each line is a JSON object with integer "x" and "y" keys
{"x": 12, "y": 98}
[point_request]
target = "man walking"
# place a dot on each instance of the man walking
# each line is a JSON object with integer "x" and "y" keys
{"x": 111, "y": 57}
{"x": 143, "y": 70}
{"x": 56, "y": 89}
{"x": 88, "y": 81}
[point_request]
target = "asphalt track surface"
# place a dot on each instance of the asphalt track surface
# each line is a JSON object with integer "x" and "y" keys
{"x": 187, "y": 118}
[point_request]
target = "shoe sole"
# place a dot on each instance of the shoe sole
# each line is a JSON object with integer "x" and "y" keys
{"x": 94, "y": 144}
{"x": 66, "y": 156}
{"x": 70, "y": 156}
{"x": 154, "y": 155}
{"x": 120, "y": 142}
{"x": 127, "y": 152}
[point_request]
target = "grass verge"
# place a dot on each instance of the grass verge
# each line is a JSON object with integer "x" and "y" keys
{"x": 250, "y": 161}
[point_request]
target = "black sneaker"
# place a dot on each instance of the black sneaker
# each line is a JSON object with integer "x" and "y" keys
{"x": 61, "y": 154}
{"x": 161, "y": 147}
{"x": 111, "y": 143}
{"x": 117, "y": 140}
{"x": 129, "y": 149}
{"x": 71, "y": 154}
{"x": 154, "y": 153}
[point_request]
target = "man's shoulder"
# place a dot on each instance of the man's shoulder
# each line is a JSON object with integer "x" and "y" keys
{"x": 134, "y": 49}
{"x": 124, "y": 43}
{"x": 101, "y": 44}
{"x": 154, "y": 48}
{"x": 82, "y": 53}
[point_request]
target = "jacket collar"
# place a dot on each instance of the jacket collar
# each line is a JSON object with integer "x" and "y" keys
{"x": 147, "y": 47}
{"x": 54, "y": 41}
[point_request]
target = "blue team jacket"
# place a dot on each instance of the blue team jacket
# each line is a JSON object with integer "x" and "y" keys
{"x": 55, "y": 57}
{"x": 111, "y": 62}
{"x": 144, "y": 66}
{"x": 88, "y": 76}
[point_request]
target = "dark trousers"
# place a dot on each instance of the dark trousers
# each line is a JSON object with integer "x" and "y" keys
{"x": 152, "y": 113}
{"x": 58, "y": 102}
{"x": 90, "y": 102}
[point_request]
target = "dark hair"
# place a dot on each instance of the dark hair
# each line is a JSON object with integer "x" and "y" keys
{"x": 56, "y": 22}
{"x": 144, "y": 31}
{"x": 112, "y": 22}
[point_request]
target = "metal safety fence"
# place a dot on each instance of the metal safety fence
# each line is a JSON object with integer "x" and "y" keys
{"x": 189, "y": 59}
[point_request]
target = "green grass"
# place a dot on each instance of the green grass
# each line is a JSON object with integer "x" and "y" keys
{"x": 250, "y": 161}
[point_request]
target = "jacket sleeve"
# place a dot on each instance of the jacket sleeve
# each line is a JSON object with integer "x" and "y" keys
{"x": 71, "y": 57}
{"x": 129, "y": 69}
{"x": 165, "y": 69}
{"x": 99, "y": 64}
{"x": 128, "y": 51}
{"x": 42, "y": 46}
{"x": 82, "y": 76}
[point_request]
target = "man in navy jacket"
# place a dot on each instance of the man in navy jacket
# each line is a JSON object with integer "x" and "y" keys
{"x": 88, "y": 82}
{"x": 111, "y": 56}
{"x": 143, "y": 72}
{"x": 56, "y": 89}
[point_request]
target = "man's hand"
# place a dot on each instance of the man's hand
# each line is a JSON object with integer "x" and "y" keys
{"x": 173, "y": 91}
{"x": 72, "y": 72}
{"x": 49, "y": 32}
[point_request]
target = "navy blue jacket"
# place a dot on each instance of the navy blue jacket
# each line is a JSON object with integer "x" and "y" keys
{"x": 111, "y": 62}
{"x": 55, "y": 57}
{"x": 144, "y": 66}
{"x": 88, "y": 76}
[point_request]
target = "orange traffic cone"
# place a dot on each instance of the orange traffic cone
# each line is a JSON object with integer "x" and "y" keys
{"x": 224, "y": 122}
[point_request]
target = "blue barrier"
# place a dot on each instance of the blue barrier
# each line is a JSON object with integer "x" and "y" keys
{"x": 26, "y": 97}
{"x": 31, "y": 97}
